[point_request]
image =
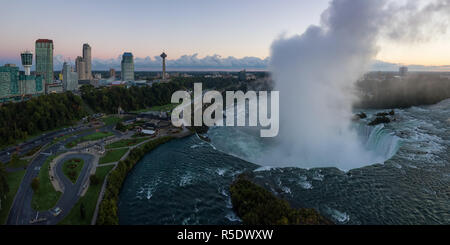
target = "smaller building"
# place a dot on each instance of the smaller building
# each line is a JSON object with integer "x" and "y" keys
{"x": 242, "y": 75}
{"x": 69, "y": 78}
{"x": 403, "y": 70}
{"x": 56, "y": 87}
{"x": 112, "y": 74}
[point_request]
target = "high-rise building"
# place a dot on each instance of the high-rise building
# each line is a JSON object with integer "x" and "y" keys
{"x": 163, "y": 56}
{"x": 112, "y": 73}
{"x": 80, "y": 67}
{"x": 127, "y": 67}
{"x": 27, "y": 61}
{"x": 87, "y": 58}
{"x": 9, "y": 82}
{"x": 70, "y": 78}
{"x": 16, "y": 87}
{"x": 44, "y": 59}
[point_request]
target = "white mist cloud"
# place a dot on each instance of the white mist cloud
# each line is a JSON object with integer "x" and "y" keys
{"x": 315, "y": 73}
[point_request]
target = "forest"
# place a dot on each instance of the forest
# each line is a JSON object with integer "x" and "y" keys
{"x": 39, "y": 114}
{"x": 257, "y": 206}
{"x": 402, "y": 92}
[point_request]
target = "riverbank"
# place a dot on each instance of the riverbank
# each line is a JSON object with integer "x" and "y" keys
{"x": 108, "y": 210}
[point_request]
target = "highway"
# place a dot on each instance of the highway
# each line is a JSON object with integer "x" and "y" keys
{"x": 24, "y": 148}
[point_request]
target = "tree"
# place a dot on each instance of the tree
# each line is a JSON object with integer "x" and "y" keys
{"x": 4, "y": 188}
{"x": 15, "y": 158}
{"x": 82, "y": 211}
{"x": 94, "y": 179}
{"x": 121, "y": 127}
{"x": 35, "y": 184}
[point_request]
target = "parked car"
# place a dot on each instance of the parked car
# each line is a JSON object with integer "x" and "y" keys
{"x": 56, "y": 211}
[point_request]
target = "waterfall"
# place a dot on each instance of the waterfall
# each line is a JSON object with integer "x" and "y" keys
{"x": 379, "y": 140}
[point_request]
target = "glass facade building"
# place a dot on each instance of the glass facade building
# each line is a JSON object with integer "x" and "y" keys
{"x": 16, "y": 87}
{"x": 127, "y": 67}
{"x": 44, "y": 59}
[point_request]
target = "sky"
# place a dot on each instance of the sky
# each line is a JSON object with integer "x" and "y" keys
{"x": 195, "y": 31}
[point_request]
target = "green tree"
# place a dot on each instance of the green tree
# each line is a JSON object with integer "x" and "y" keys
{"x": 35, "y": 184}
{"x": 94, "y": 179}
{"x": 121, "y": 127}
{"x": 15, "y": 158}
{"x": 4, "y": 188}
{"x": 82, "y": 211}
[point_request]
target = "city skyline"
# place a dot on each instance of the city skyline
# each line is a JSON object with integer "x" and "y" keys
{"x": 232, "y": 33}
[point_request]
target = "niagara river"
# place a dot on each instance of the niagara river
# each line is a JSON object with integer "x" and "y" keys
{"x": 186, "y": 181}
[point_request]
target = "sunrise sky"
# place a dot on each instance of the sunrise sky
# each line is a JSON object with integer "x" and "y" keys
{"x": 237, "y": 28}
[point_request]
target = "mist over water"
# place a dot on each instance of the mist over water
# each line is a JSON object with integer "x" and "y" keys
{"x": 315, "y": 73}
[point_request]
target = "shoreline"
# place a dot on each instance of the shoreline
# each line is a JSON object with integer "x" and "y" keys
{"x": 107, "y": 213}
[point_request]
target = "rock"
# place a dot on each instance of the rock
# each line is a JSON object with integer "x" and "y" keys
{"x": 361, "y": 115}
{"x": 379, "y": 120}
{"x": 204, "y": 137}
{"x": 392, "y": 112}
{"x": 382, "y": 114}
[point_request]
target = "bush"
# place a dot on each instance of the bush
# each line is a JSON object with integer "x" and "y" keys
{"x": 94, "y": 180}
{"x": 35, "y": 184}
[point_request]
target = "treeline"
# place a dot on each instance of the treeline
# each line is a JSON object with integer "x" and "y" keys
{"x": 108, "y": 210}
{"x": 413, "y": 90}
{"x": 257, "y": 206}
{"x": 20, "y": 120}
{"x": 4, "y": 188}
{"x": 211, "y": 83}
{"x": 108, "y": 100}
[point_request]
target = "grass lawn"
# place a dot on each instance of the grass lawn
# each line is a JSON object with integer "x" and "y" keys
{"x": 72, "y": 169}
{"x": 34, "y": 150}
{"x": 89, "y": 201}
{"x": 21, "y": 163}
{"x": 113, "y": 155}
{"x": 96, "y": 136}
{"x": 46, "y": 197}
{"x": 125, "y": 143}
{"x": 167, "y": 107}
{"x": 91, "y": 137}
{"x": 14, "y": 179}
{"x": 111, "y": 120}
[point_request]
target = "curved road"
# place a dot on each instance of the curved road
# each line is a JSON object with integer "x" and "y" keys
{"x": 21, "y": 211}
{"x": 23, "y": 215}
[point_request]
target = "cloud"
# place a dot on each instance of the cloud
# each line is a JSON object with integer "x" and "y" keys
{"x": 187, "y": 62}
{"x": 184, "y": 62}
{"x": 212, "y": 62}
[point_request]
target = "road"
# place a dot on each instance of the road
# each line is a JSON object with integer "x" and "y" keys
{"x": 21, "y": 211}
{"x": 24, "y": 148}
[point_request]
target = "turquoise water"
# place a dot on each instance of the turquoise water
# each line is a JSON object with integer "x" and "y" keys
{"x": 186, "y": 181}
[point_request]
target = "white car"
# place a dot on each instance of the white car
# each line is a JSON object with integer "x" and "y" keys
{"x": 56, "y": 211}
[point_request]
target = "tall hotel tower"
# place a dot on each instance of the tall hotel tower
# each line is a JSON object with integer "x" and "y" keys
{"x": 88, "y": 60}
{"x": 44, "y": 59}
{"x": 83, "y": 65}
{"x": 127, "y": 67}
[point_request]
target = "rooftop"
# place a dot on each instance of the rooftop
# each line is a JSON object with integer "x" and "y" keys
{"x": 44, "y": 41}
